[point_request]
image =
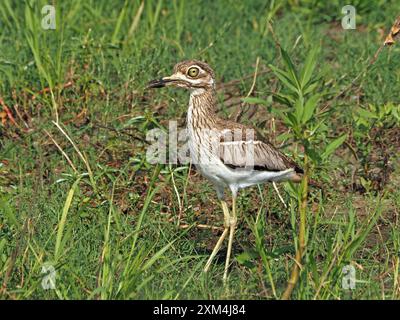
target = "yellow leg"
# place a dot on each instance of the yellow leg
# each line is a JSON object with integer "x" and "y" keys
{"x": 232, "y": 225}
{"x": 221, "y": 239}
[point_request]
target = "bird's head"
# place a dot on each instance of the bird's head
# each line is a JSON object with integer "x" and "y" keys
{"x": 191, "y": 74}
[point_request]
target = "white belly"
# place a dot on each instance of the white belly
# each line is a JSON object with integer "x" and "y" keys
{"x": 219, "y": 174}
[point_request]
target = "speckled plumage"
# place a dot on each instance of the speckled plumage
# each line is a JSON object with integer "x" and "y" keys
{"x": 229, "y": 154}
{"x": 228, "y": 160}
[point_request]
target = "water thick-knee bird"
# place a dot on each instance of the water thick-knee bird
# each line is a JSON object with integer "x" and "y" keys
{"x": 229, "y": 154}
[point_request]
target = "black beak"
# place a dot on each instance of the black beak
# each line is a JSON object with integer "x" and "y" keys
{"x": 157, "y": 83}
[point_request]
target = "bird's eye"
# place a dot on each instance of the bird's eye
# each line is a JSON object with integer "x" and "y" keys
{"x": 193, "y": 72}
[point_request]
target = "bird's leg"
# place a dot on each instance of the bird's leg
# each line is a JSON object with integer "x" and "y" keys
{"x": 279, "y": 195}
{"x": 221, "y": 239}
{"x": 232, "y": 224}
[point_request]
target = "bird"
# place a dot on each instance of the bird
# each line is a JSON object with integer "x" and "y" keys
{"x": 230, "y": 155}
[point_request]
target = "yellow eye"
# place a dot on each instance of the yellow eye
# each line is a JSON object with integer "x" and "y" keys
{"x": 193, "y": 72}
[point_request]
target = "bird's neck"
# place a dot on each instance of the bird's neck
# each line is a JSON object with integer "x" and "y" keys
{"x": 201, "y": 113}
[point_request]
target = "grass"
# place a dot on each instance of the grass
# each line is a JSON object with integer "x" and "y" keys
{"x": 77, "y": 193}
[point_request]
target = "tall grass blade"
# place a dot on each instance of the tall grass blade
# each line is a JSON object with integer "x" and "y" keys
{"x": 63, "y": 220}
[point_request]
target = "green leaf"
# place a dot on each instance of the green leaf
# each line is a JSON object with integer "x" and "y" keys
{"x": 310, "y": 107}
{"x": 63, "y": 220}
{"x": 309, "y": 67}
{"x": 246, "y": 258}
{"x": 333, "y": 146}
{"x": 310, "y": 88}
{"x": 312, "y": 153}
{"x": 299, "y": 105}
{"x": 284, "y": 136}
{"x": 292, "y": 120}
{"x": 8, "y": 212}
{"x": 284, "y": 78}
{"x": 119, "y": 22}
{"x": 283, "y": 99}
{"x": 157, "y": 255}
{"x": 291, "y": 68}
{"x": 366, "y": 114}
{"x": 396, "y": 113}
{"x": 364, "y": 232}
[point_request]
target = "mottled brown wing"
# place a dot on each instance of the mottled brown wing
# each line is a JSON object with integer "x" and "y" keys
{"x": 241, "y": 147}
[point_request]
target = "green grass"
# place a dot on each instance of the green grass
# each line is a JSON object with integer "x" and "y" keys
{"x": 78, "y": 194}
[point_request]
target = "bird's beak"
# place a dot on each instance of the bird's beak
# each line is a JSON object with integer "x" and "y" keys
{"x": 159, "y": 83}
